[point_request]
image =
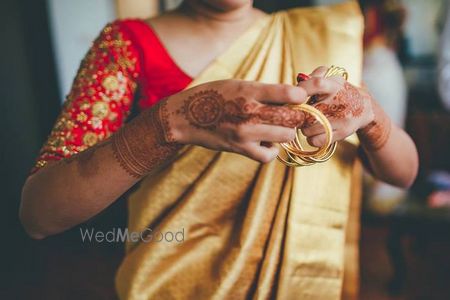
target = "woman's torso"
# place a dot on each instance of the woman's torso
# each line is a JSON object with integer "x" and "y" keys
{"x": 166, "y": 55}
{"x": 159, "y": 75}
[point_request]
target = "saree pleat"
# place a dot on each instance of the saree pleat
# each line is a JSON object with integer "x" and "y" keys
{"x": 252, "y": 231}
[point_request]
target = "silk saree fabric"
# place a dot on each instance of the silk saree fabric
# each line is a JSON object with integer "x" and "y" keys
{"x": 253, "y": 231}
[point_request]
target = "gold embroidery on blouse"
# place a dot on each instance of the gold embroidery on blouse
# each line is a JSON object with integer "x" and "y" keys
{"x": 82, "y": 117}
{"x": 110, "y": 83}
{"x": 100, "y": 109}
{"x": 90, "y": 139}
{"x": 110, "y": 52}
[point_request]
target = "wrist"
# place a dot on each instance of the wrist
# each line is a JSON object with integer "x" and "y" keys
{"x": 375, "y": 134}
{"x": 145, "y": 142}
{"x": 172, "y": 127}
{"x": 167, "y": 129}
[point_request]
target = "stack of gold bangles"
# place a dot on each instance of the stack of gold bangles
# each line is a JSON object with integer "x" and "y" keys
{"x": 295, "y": 153}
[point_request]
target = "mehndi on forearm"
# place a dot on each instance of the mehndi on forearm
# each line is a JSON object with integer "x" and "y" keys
{"x": 145, "y": 142}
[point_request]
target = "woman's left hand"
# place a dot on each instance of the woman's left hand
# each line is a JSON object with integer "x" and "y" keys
{"x": 347, "y": 107}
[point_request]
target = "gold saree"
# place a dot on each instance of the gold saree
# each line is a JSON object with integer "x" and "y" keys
{"x": 252, "y": 231}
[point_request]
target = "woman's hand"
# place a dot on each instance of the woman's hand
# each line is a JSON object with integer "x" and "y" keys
{"x": 236, "y": 116}
{"x": 351, "y": 109}
{"x": 348, "y": 108}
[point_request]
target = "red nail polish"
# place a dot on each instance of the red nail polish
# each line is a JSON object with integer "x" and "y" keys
{"x": 302, "y": 77}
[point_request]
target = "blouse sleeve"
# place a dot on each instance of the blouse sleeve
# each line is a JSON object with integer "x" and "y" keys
{"x": 100, "y": 98}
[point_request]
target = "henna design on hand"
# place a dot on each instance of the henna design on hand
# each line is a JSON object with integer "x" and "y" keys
{"x": 145, "y": 142}
{"x": 208, "y": 109}
{"x": 348, "y": 101}
{"x": 376, "y": 134}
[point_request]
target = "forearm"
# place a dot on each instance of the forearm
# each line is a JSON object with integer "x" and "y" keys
{"x": 71, "y": 191}
{"x": 391, "y": 153}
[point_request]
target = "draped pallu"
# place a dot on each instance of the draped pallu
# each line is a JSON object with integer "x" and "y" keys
{"x": 251, "y": 230}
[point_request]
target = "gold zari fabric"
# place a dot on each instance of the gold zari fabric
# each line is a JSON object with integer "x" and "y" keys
{"x": 252, "y": 231}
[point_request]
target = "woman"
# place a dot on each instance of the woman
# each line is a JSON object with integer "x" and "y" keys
{"x": 253, "y": 228}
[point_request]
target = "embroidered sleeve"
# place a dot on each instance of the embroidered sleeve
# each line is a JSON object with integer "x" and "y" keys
{"x": 100, "y": 98}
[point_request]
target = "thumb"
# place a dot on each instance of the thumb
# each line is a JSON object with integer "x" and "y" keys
{"x": 319, "y": 72}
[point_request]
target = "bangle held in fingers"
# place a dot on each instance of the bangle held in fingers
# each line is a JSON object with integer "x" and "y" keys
{"x": 295, "y": 153}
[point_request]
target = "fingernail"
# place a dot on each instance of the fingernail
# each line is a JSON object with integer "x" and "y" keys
{"x": 302, "y": 77}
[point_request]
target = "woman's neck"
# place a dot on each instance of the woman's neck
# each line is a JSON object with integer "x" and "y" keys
{"x": 216, "y": 18}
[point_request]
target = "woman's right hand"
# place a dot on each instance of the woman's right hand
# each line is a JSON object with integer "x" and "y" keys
{"x": 238, "y": 116}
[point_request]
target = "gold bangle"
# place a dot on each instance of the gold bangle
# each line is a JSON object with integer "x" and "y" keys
{"x": 295, "y": 152}
{"x": 299, "y": 157}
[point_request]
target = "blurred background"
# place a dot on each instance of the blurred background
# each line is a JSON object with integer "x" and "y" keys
{"x": 405, "y": 235}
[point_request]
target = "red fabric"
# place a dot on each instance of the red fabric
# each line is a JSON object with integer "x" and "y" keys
{"x": 161, "y": 76}
{"x": 126, "y": 60}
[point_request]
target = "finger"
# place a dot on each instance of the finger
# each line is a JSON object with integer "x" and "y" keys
{"x": 319, "y": 72}
{"x": 320, "y": 139}
{"x": 279, "y": 116}
{"x": 266, "y": 144}
{"x": 313, "y": 130}
{"x": 278, "y": 93}
{"x": 262, "y": 153}
{"x": 317, "y": 140}
{"x": 328, "y": 110}
{"x": 268, "y": 133}
{"x": 319, "y": 86}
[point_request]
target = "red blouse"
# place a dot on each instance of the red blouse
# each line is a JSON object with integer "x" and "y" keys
{"x": 126, "y": 68}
